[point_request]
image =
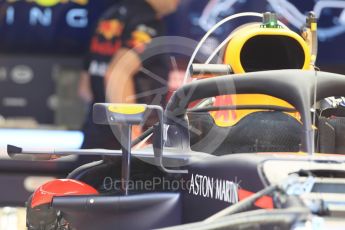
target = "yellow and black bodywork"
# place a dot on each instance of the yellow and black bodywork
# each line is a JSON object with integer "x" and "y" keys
{"x": 255, "y": 47}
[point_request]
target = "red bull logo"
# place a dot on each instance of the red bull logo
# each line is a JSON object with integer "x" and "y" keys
{"x": 105, "y": 42}
{"x": 110, "y": 29}
{"x": 224, "y": 118}
{"x": 50, "y": 3}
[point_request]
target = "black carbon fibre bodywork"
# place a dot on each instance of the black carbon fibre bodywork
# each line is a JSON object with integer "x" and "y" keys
{"x": 167, "y": 206}
{"x": 164, "y": 206}
{"x": 242, "y": 169}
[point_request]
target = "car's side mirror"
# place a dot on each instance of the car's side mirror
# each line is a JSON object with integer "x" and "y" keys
{"x": 114, "y": 114}
{"x": 126, "y": 115}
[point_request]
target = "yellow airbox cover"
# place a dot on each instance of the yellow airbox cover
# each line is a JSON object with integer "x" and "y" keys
{"x": 254, "y": 48}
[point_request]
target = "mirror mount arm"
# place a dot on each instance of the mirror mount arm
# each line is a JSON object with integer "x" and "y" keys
{"x": 126, "y": 142}
{"x": 158, "y": 142}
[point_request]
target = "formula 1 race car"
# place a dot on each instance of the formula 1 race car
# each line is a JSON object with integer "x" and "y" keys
{"x": 268, "y": 158}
